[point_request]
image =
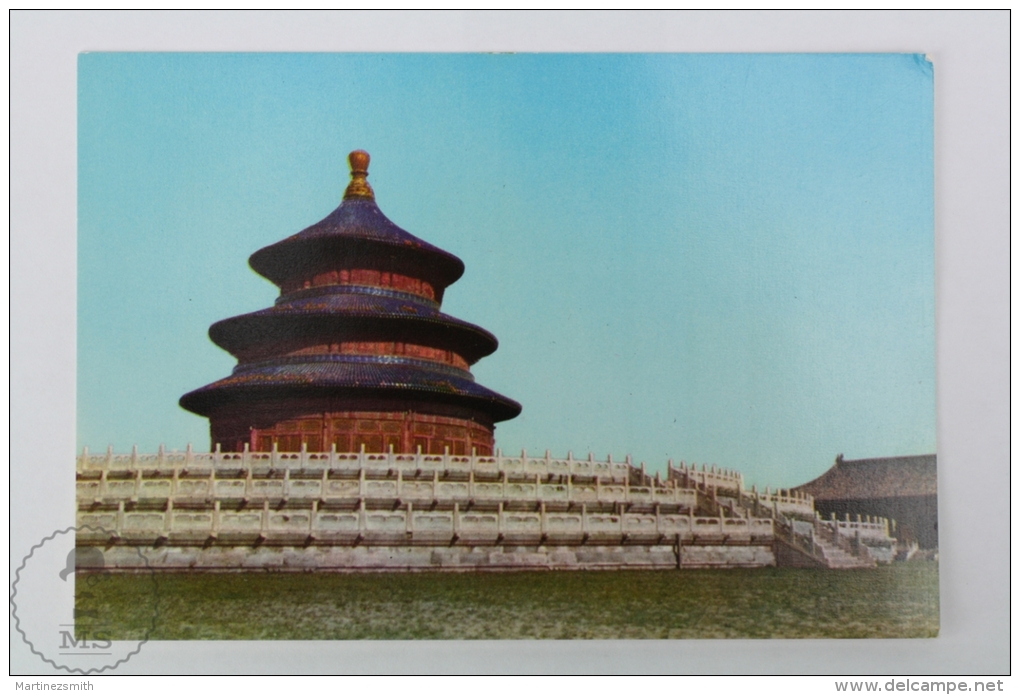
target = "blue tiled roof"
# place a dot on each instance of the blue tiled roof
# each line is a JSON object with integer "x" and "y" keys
{"x": 333, "y": 311}
{"x": 357, "y": 227}
{"x": 346, "y": 373}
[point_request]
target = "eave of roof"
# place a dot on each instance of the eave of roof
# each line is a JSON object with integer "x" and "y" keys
{"x": 877, "y": 478}
{"x": 350, "y": 373}
{"x": 356, "y": 229}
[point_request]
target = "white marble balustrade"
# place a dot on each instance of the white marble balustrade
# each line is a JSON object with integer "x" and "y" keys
{"x": 271, "y": 525}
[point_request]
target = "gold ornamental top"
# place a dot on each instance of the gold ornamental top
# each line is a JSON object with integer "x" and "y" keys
{"x": 358, "y": 187}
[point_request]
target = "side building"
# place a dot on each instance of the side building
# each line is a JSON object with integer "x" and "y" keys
{"x": 900, "y": 488}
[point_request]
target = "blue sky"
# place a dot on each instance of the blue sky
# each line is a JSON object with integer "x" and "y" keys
{"x": 724, "y": 259}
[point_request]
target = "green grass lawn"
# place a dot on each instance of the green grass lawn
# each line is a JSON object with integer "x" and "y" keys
{"x": 901, "y": 600}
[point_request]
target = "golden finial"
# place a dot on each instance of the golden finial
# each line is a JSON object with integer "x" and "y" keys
{"x": 358, "y": 187}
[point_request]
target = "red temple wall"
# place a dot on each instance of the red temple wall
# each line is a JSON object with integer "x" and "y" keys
{"x": 376, "y": 348}
{"x": 371, "y": 278}
{"x": 405, "y": 432}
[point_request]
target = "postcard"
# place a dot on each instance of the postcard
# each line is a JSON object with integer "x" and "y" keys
{"x": 505, "y": 346}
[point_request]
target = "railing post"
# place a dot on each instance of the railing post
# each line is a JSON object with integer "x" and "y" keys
{"x": 168, "y": 520}
{"x": 410, "y": 519}
{"x": 189, "y": 456}
{"x": 134, "y": 456}
{"x": 161, "y": 456}
{"x": 313, "y": 518}
{"x": 216, "y": 519}
{"x": 119, "y": 524}
{"x": 264, "y": 532}
{"x": 246, "y": 456}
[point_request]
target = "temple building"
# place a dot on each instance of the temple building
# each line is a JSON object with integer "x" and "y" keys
{"x": 355, "y": 354}
{"x": 900, "y": 488}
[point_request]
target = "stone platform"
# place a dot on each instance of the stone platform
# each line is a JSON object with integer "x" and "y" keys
{"x": 379, "y": 512}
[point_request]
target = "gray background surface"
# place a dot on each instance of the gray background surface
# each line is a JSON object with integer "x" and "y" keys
{"x": 970, "y": 51}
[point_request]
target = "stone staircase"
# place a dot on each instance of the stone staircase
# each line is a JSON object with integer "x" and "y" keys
{"x": 838, "y": 558}
{"x": 818, "y": 547}
{"x": 803, "y": 551}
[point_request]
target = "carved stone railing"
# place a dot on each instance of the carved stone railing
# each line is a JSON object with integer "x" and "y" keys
{"x": 707, "y": 478}
{"x": 318, "y": 523}
{"x": 783, "y": 502}
{"x": 195, "y": 486}
{"x": 181, "y": 496}
{"x": 609, "y": 469}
